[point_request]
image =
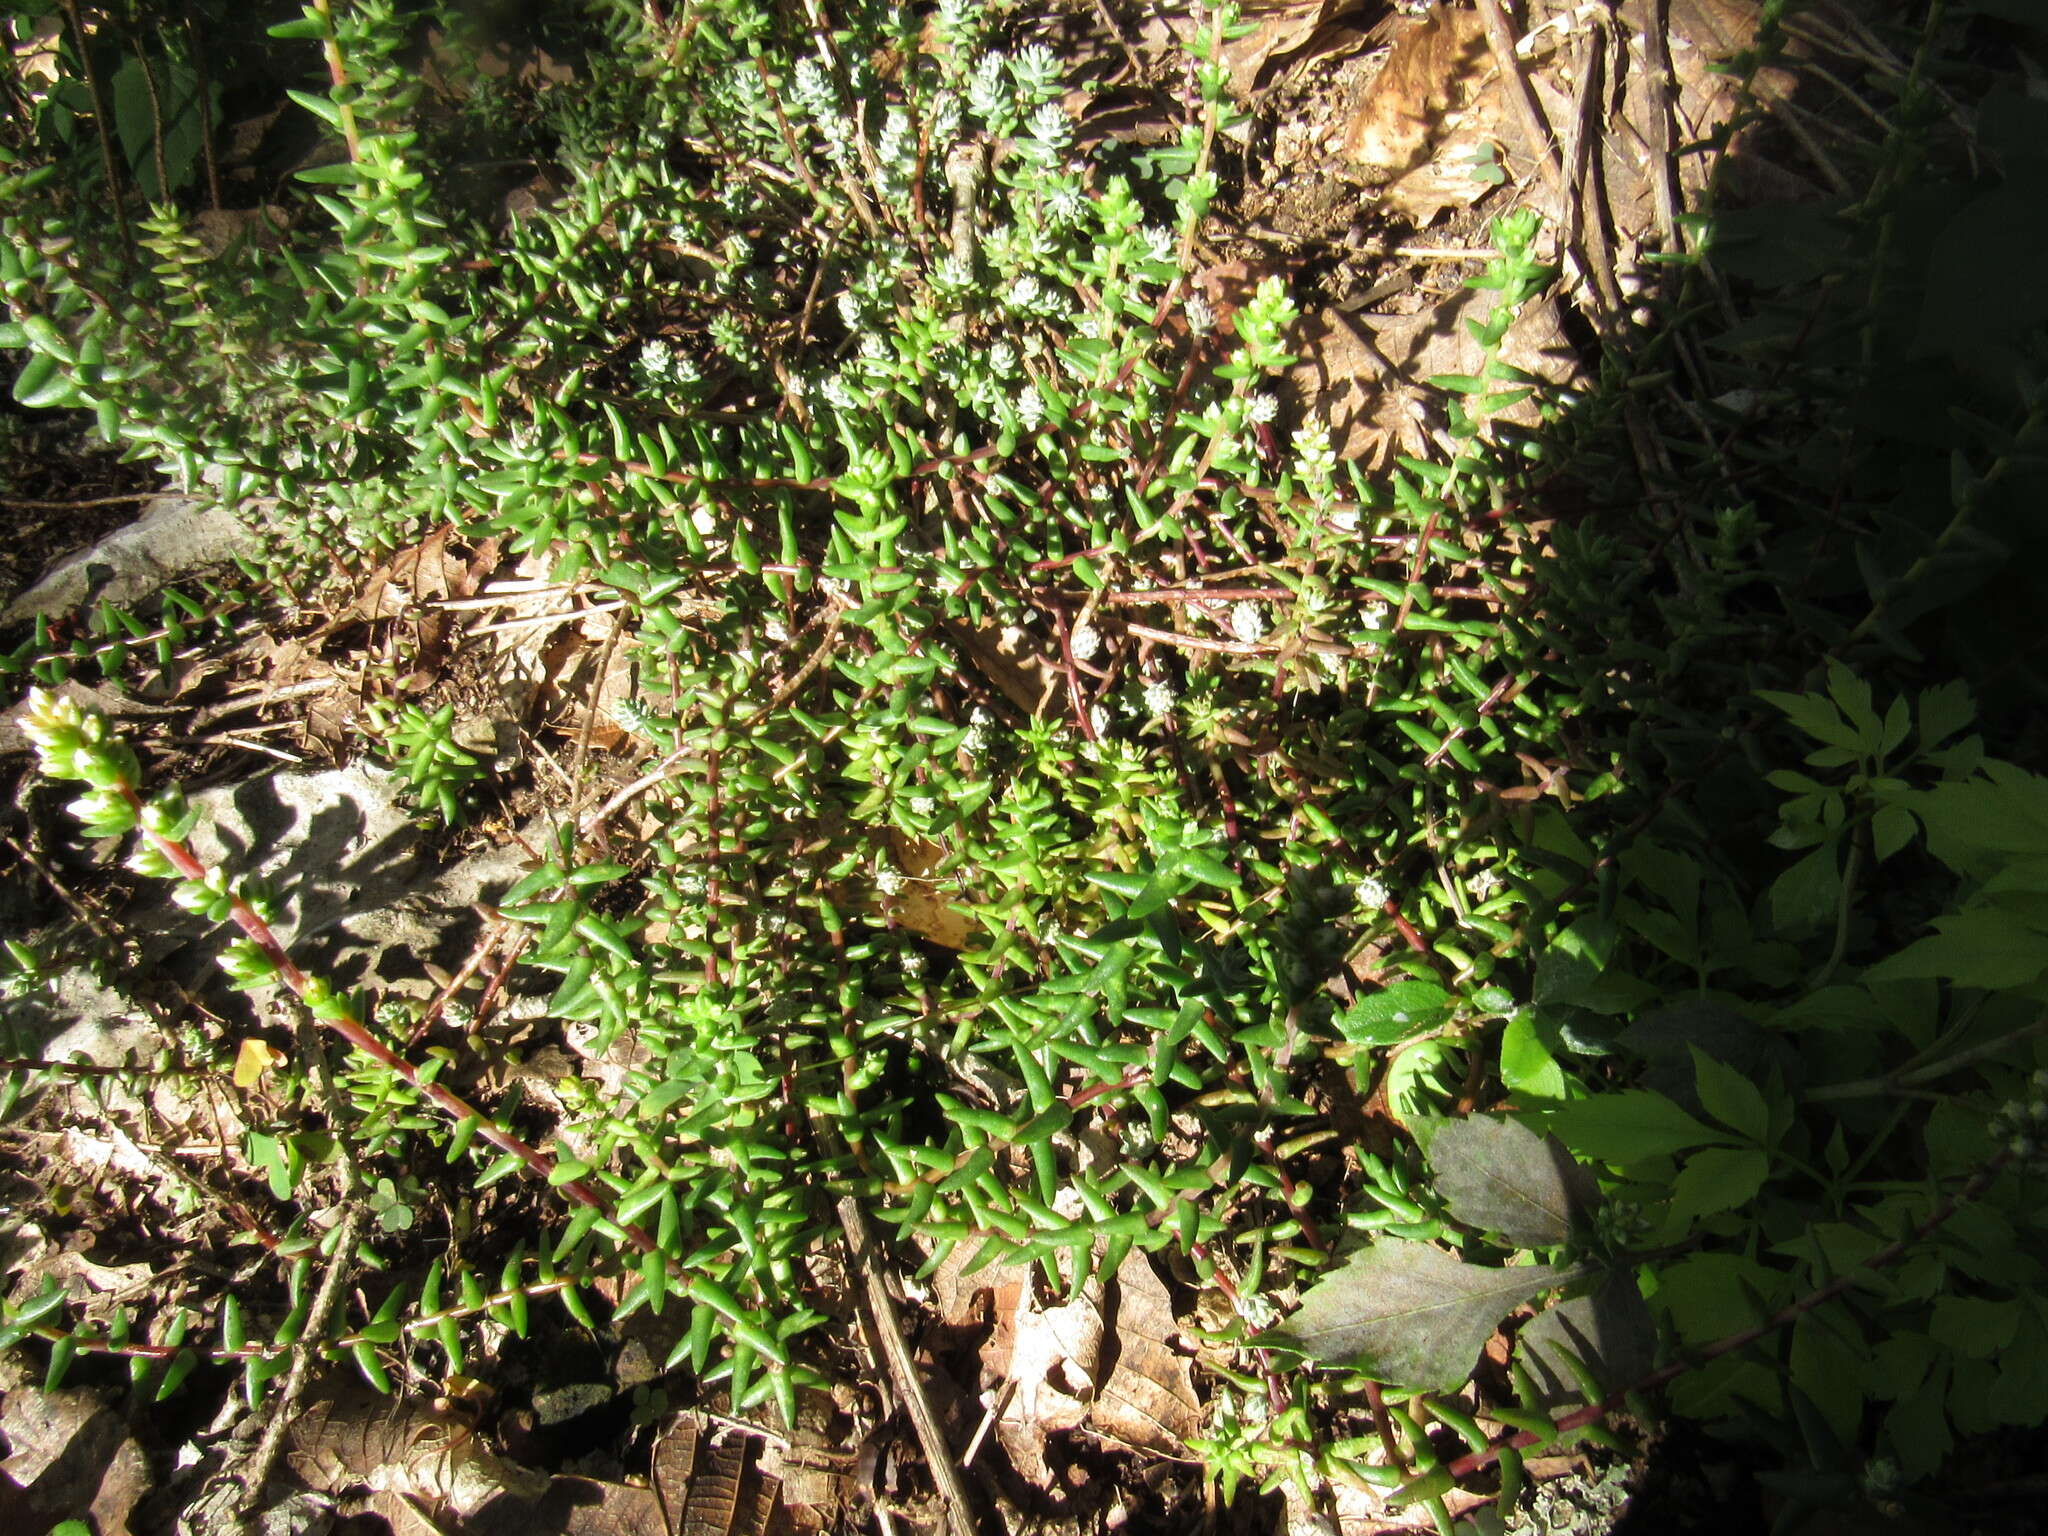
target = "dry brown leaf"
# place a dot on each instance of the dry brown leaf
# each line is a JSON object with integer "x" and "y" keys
{"x": 1294, "y": 30}
{"x": 1100, "y": 1363}
{"x": 1367, "y": 375}
{"x": 358, "y": 1438}
{"x": 695, "y": 1488}
{"x": 1148, "y": 1402}
{"x": 69, "y": 1455}
{"x": 1012, "y": 660}
{"x": 922, "y": 907}
{"x": 1435, "y": 71}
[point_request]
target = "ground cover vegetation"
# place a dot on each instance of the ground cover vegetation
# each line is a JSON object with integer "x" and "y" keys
{"x": 1567, "y": 909}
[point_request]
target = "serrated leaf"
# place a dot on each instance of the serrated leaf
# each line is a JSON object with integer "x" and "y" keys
{"x": 1718, "y": 1179}
{"x": 1730, "y": 1097}
{"x": 1625, "y": 1127}
{"x": 1411, "y": 1315}
{"x": 1979, "y": 948}
{"x": 1396, "y": 1013}
{"x": 1813, "y": 714}
{"x": 1498, "y": 1175}
{"x": 1610, "y": 1330}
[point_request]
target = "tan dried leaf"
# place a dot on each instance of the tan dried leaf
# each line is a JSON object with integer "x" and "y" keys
{"x": 69, "y": 1455}
{"x": 1433, "y": 74}
{"x": 401, "y": 1446}
{"x": 1367, "y": 375}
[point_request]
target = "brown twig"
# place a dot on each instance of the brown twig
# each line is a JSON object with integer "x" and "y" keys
{"x": 263, "y": 1460}
{"x": 887, "y": 1326}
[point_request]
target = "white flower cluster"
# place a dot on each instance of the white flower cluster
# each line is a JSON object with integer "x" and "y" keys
{"x": 1030, "y": 408}
{"x": 1159, "y": 697}
{"x": 1247, "y": 622}
{"x": 1086, "y": 642}
{"x": 975, "y": 742}
{"x": 889, "y": 881}
{"x": 1372, "y": 893}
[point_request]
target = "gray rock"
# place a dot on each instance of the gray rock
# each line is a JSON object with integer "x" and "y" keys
{"x": 171, "y": 538}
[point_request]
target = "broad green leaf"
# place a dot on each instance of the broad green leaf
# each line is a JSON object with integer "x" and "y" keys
{"x": 1827, "y": 1367}
{"x": 1731, "y": 1098}
{"x": 1980, "y": 947}
{"x": 1807, "y": 894}
{"x": 1393, "y": 1014}
{"x": 1711, "y": 1295}
{"x": 1813, "y": 714}
{"x": 1975, "y": 1326}
{"x": 1943, "y": 711}
{"x": 1498, "y": 1175}
{"x": 1411, "y": 1315}
{"x": 1916, "y": 1432}
{"x": 1718, "y": 1179}
{"x": 1526, "y": 1065}
{"x": 1625, "y": 1127}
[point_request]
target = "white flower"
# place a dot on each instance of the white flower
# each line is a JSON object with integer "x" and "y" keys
{"x": 692, "y": 886}
{"x": 1484, "y": 884}
{"x": 1201, "y": 318}
{"x": 1371, "y": 893}
{"x": 889, "y": 881}
{"x": 656, "y": 358}
{"x": 1159, "y": 243}
{"x": 1159, "y": 697}
{"x": 1086, "y": 642}
{"x": 1030, "y": 409}
{"x": 923, "y": 805}
{"x": 849, "y": 309}
{"x": 1261, "y": 408}
{"x": 913, "y": 962}
{"x": 1374, "y": 615}
{"x": 1098, "y": 720}
{"x": 1026, "y": 293}
{"x": 1002, "y": 359}
{"x": 1247, "y": 622}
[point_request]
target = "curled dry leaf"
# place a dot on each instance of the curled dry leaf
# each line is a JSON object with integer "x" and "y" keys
{"x": 694, "y": 1488}
{"x": 360, "y": 1439}
{"x": 1425, "y": 127}
{"x": 1100, "y": 1363}
{"x": 1367, "y": 375}
{"x": 69, "y": 1455}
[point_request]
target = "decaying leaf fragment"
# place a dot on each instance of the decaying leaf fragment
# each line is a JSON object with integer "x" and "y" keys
{"x": 1100, "y": 1362}
{"x": 359, "y": 1439}
{"x": 1424, "y": 129}
{"x": 695, "y": 1488}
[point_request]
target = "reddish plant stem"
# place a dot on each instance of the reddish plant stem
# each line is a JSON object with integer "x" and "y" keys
{"x": 352, "y": 1030}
